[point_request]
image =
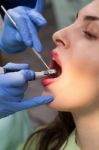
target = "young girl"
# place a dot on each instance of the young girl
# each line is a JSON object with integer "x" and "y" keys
{"x": 75, "y": 87}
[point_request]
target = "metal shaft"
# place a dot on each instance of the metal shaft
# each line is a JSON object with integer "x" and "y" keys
{"x": 5, "y": 11}
{"x": 40, "y": 57}
{"x": 14, "y": 23}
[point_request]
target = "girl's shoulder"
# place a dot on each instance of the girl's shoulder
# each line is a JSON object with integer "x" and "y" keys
{"x": 34, "y": 139}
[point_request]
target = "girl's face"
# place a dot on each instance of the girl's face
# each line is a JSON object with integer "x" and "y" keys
{"x": 77, "y": 57}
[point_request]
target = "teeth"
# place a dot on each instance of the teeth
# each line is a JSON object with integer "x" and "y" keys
{"x": 56, "y": 68}
{"x": 52, "y": 71}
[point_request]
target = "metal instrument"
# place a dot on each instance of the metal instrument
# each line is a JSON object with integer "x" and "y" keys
{"x": 38, "y": 75}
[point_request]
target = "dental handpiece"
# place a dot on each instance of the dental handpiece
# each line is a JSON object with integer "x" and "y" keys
{"x": 42, "y": 74}
{"x": 37, "y": 75}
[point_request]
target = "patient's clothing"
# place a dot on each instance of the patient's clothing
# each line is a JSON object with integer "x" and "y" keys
{"x": 70, "y": 144}
{"x": 14, "y": 130}
{"x": 14, "y": 3}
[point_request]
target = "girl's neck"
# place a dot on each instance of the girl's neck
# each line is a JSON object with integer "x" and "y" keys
{"x": 87, "y": 127}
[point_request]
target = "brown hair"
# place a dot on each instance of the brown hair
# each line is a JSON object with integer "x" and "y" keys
{"x": 55, "y": 134}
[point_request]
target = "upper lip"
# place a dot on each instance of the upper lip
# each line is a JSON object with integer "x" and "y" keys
{"x": 55, "y": 57}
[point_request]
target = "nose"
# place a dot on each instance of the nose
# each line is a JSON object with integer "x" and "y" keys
{"x": 61, "y": 38}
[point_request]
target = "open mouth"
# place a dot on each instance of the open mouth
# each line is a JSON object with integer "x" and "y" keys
{"x": 55, "y": 65}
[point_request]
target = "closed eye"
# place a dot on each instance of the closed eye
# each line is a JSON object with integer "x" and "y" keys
{"x": 89, "y": 35}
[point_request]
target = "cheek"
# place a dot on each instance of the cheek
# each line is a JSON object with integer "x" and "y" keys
{"x": 86, "y": 59}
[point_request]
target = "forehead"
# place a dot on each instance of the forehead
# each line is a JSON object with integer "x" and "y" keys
{"x": 91, "y": 9}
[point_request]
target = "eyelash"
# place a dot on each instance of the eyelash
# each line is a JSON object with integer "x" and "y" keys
{"x": 89, "y": 35}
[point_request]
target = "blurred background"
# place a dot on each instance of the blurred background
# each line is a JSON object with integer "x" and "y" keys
{"x": 58, "y": 14}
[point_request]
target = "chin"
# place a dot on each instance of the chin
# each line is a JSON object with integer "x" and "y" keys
{"x": 60, "y": 103}
{"x": 59, "y": 106}
{"x": 69, "y": 101}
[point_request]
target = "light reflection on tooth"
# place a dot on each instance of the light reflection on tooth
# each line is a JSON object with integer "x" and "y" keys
{"x": 52, "y": 71}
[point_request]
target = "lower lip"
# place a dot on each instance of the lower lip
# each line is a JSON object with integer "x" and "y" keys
{"x": 47, "y": 81}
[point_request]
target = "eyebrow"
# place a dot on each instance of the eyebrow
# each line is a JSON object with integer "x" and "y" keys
{"x": 89, "y": 18}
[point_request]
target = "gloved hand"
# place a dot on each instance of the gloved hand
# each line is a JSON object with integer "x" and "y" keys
{"x": 28, "y": 20}
{"x": 12, "y": 89}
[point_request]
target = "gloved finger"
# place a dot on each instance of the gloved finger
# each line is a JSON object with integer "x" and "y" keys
{"x": 22, "y": 27}
{"x": 21, "y": 9}
{"x": 8, "y": 108}
{"x": 14, "y": 66}
{"x": 16, "y": 79}
{"x": 37, "y": 18}
{"x": 36, "y": 101}
{"x": 17, "y": 98}
{"x": 12, "y": 107}
{"x": 34, "y": 36}
{"x": 24, "y": 31}
{"x": 14, "y": 92}
{"x": 28, "y": 74}
{"x": 39, "y": 5}
{"x": 32, "y": 30}
{"x": 12, "y": 99}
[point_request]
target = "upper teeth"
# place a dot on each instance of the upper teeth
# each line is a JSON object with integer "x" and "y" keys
{"x": 52, "y": 71}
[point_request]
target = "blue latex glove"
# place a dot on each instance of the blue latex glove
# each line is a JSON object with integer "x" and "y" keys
{"x": 28, "y": 20}
{"x": 12, "y": 89}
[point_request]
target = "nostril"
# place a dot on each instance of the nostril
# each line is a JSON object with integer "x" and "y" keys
{"x": 60, "y": 42}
